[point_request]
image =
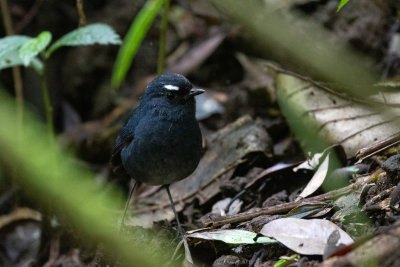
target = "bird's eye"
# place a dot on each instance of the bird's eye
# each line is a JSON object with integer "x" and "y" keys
{"x": 170, "y": 95}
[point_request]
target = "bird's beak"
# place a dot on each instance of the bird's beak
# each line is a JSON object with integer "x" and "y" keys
{"x": 193, "y": 92}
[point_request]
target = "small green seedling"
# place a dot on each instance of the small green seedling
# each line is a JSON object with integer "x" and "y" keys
{"x": 31, "y": 52}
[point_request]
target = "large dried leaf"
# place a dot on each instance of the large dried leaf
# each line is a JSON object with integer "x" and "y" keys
{"x": 197, "y": 54}
{"x": 307, "y": 237}
{"x": 337, "y": 119}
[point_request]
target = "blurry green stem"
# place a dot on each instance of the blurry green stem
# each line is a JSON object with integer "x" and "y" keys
{"x": 163, "y": 34}
{"x": 47, "y": 103}
{"x": 44, "y": 172}
{"x": 5, "y": 13}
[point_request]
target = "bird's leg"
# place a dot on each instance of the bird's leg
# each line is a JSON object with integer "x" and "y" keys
{"x": 127, "y": 205}
{"x": 180, "y": 229}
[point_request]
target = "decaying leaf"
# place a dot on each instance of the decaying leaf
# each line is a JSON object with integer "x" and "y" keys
{"x": 20, "y": 233}
{"x": 317, "y": 179}
{"x": 233, "y": 236}
{"x": 338, "y": 119}
{"x": 198, "y": 54}
{"x": 206, "y": 106}
{"x": 309, "y": 164}
{"x": 20, "y": 214}
{"x": 348, "y": 205}
{"x": 307, "y": 237}
{"x": 257, "y": 77}
{"x": 221, "y": 206}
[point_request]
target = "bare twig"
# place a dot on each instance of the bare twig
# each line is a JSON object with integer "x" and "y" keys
{"x": 5, "y": 13}
{"x": 162, "y": 42}
{"x": 81, "y": 13}
{"x": 371, "y": 204}
{"x": 18, "y": 85}
{"x": 281, "y": 208}
{"x": 29, "y": 16}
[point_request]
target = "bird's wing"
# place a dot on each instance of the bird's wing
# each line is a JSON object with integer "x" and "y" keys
{"x": 124, "y": 138}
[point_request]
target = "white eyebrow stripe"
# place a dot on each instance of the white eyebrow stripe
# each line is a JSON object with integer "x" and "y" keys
{"x": 171, "y": 87}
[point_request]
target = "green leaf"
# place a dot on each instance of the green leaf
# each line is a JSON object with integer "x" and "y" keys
{"x": 352, "y": 169}
{"x": 11, "y": 43}
{"x": 133, "y": 39}
{"x": 9, "y": 55}
{"x": 233, "y": 236}
{"x": 91, "y": 34}
{"x": 33, "y": 47}
{"x": 10, "y": 59}
{"x": 341, "y": 4}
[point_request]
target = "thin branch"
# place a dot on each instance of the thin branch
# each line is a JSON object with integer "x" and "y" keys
{"x": 281, "y": 208}
{"x": 81, "y": 13}
{"x": 163, "y": 35}
{"x": 17, "y": 77}
{"x": 33, "y": 11}
{"x": 5, "y": 13}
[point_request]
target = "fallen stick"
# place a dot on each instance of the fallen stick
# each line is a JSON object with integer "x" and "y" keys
{"x": 281, "y": 208}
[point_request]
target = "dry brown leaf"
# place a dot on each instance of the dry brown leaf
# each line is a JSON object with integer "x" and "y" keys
{"x": 339, "y": 120}
{"x": 20, "y": 214}
{"x": 307, "y": 237}
{"x": 197, "y": 54}
{"x": 317, "y": 179}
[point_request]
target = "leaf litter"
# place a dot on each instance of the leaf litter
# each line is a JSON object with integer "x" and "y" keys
{"x": 242, "y": 188}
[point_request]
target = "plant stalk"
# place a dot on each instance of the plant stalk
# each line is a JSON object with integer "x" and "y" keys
{"x": 47, "y": 103}
{"x": 163, "y": 35}
{"x": 16, "y": 71}
{"x": 81, "y": 13}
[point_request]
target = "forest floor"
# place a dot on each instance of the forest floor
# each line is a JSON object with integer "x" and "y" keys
{"x": 258, "y": 196}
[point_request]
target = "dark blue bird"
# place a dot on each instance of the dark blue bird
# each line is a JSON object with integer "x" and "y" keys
{"x": 161, "y": 142}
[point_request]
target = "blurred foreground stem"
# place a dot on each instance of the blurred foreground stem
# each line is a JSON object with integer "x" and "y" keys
{"x": 45, "y": 173}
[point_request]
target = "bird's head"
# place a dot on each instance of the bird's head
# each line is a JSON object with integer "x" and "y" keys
{"x": 173, "y": 87}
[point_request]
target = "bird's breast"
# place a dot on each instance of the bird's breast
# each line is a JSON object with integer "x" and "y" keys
{"x": 163, "y": 151}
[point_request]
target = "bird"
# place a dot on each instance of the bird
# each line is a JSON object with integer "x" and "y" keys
{"x": 161, "y": 142}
